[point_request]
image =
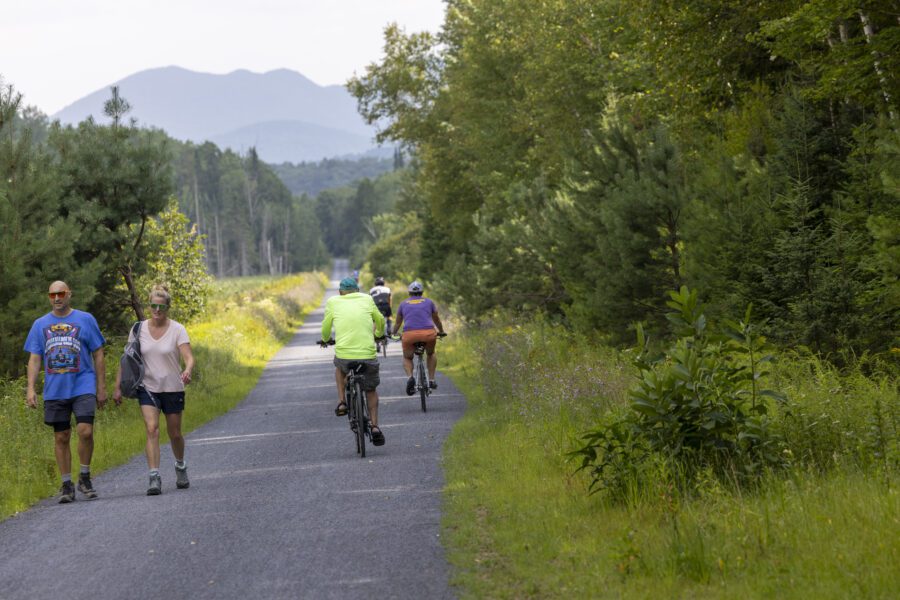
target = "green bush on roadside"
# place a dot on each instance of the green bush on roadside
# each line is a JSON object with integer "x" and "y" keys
{"x": 698, "y": 408}
{"x": 519, "y": 523}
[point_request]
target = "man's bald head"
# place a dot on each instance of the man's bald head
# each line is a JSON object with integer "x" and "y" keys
{"x": 59, "y": 286}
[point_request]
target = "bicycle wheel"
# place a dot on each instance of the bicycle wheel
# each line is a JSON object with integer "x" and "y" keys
{"x": 423, "y": 383}
{"x": 352, "y": 414}
{"x": 361, "y": 421}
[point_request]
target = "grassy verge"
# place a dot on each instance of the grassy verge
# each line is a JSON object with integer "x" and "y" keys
{"x": 519, "y": 524}
{"x": 241, "y": 331}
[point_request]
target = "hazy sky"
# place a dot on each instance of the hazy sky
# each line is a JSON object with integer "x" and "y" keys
{"x": 57, "y": 51}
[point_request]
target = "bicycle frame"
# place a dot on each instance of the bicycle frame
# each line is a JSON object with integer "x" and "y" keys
{"x": 357, "y": 410}
{"x": 420, "y": 372}
{"x": 357, "y": 403}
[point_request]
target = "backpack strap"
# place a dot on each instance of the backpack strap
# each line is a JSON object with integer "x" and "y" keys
{"x": 136, "y": 333}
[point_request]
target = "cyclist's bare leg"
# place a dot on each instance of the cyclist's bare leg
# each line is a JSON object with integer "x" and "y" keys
{"x": 432, "y": 365}
{"x": 341, "y": 381}
{"x": 408, "y": 366}
{"x": 372, "y": 401}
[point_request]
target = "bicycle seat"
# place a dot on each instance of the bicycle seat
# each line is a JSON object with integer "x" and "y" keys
{"x": 357, "y": 367}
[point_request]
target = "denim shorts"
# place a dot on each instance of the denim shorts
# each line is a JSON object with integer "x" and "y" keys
{"x": 370, "y": 378}
{"x": 168, "y": 402}
{"x": 58, "y": 413}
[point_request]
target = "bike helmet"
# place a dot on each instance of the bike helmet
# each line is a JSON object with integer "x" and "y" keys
{"x": 416, "y": 287}
{"x": 379, "y": 281}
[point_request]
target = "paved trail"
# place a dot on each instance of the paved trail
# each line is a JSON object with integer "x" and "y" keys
{"x": 280, "y": 506}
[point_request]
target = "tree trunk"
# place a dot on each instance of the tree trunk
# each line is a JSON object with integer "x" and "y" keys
{"x": 220, "y": 268}
{"x": 882, "y": 79}
{"x": 286, "y": 264}
{"x": 133, "y": 298}
{"x": 245, "y": 262}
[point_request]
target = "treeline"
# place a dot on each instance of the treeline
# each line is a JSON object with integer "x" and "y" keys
{"x": 352, "y": 218}
{"x": 313, "y": 177}
{"x": 98, "y": 206}
{"x": 582, "y": 157}
{"x": 75, "y": 204}
{"x": 251, "y": 222}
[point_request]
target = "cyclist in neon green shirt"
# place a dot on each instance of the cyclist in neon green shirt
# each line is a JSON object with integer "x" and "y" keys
{"x": 357, "y": 322}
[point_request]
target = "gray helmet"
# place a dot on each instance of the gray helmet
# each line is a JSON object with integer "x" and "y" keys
{"x": 416, "y": 287}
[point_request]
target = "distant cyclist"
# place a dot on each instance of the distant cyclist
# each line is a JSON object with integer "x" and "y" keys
{"x": 357, "y": 322}
{"x": 381, "y": 294}
{"x": 418, "y": 317}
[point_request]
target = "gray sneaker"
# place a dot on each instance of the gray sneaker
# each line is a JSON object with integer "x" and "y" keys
{"x": 155, "y": 488}
{"x": 67, "y": 492}
{"x": 86, "y": 487}
{"x": 181, "y": 478}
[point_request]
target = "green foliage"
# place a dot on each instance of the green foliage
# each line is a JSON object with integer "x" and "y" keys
{"x": 41, "y": 240}
{"x": 827, "y": 41}
{"x": 176, "y": 259}
{"x": 113, "y": 180}
{"x": 581, "y": 157}
{"x": 249, "y": 220}
{"x": 699, "y": 407}
{"x": 312, "y": 178}
{"x": 512, "y": 505}
{"x": 345, "y": 215}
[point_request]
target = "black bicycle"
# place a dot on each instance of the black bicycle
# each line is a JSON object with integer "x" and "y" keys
{"x": 355, "y": 399}
{"x": 381, "y": 343}
{"x": 420, "y": 372}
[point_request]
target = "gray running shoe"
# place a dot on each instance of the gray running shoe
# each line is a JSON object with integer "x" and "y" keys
{"x": 155, "y": 488}
{"x": 181, "y": 478}
{"x": 86, "y": 487}
{"x": 67, "y": 492}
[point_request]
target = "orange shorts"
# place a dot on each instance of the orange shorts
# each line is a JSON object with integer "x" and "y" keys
{"x": 409, "y": 339}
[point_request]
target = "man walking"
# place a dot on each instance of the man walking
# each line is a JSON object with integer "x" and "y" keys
{"x": 70, "y": 345}
{"x": 357, "y": 322}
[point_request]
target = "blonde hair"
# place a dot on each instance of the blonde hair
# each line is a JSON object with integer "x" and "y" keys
{"x": 161, "y": 291}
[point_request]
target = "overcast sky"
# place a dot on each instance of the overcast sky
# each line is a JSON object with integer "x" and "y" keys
{"x": 57, "y": 51}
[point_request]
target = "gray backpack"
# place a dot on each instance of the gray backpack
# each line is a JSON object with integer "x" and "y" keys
{"x": 132, "y": 364}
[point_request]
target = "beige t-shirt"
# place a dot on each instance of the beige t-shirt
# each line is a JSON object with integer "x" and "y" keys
{"x": 162, "y": 359}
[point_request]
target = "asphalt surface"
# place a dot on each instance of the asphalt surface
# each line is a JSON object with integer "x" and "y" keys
{"x": 280, "y": 505}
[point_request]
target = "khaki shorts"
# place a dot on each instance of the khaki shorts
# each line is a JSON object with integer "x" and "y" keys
{"x": 370, "y": 378}
{"x": 409, "y": 339}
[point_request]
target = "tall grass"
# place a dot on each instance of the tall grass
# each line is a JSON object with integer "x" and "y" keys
{"x": 239, "y": 333}
{"x": 519, "y": 522}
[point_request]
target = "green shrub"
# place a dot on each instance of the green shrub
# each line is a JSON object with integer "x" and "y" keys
{"x": 698, "y": 406}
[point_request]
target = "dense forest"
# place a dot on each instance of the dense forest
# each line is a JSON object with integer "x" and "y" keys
{"x": 314, "y": 177}
{"x": 112, "y": 208}
{"x": 579, "y": 158}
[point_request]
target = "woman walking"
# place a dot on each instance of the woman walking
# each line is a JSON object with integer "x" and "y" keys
{"x": 164, "y": 344}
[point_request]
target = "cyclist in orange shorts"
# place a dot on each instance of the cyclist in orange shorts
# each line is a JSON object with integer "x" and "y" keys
{"x": 418, "y": 317}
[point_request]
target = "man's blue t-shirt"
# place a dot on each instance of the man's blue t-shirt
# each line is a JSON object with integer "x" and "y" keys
{"x": 66, "y": 344}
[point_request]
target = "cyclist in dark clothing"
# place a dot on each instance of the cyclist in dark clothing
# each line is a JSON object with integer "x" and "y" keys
{"x": 381, "y": 294}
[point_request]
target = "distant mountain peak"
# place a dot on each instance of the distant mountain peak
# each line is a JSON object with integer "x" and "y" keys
{"x": 196, "y": 106}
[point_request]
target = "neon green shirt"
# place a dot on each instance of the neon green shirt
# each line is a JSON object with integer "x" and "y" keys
{"x": 357, "y": 321}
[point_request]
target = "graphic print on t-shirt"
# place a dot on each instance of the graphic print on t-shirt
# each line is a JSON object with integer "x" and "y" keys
{"x": 62, "y": 348}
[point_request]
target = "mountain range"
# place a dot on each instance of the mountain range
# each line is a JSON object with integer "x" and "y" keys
{"x": 286, "y": 116}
